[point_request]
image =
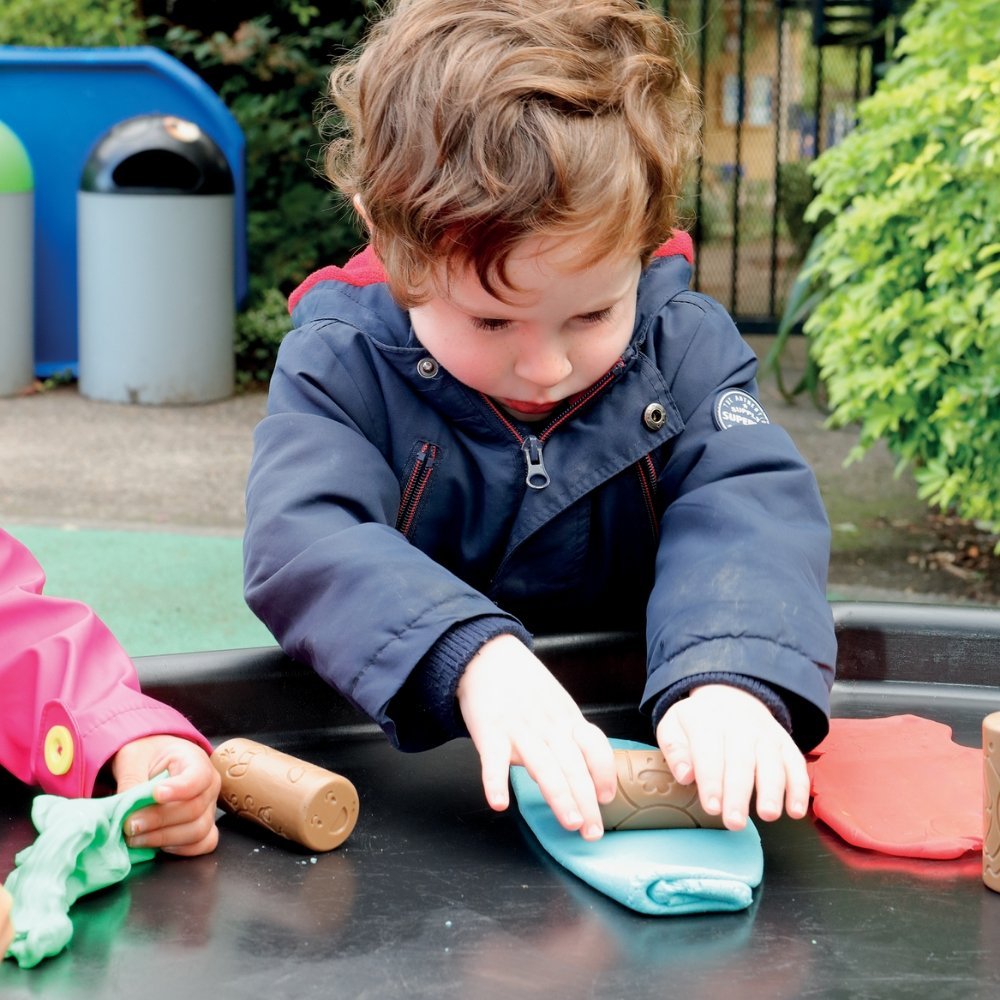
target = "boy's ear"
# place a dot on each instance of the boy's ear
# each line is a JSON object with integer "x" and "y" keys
{"x": 359, "y": 207}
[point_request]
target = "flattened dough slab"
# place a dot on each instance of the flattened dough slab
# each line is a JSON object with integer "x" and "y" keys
{"x": 899, "y": 785}
{"x": 657, "y": 872}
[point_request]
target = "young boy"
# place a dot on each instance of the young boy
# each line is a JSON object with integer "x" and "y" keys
{"x": 509, "y": 414}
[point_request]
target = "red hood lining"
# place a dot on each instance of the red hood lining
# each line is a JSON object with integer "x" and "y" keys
{"x": 365, "y": 268}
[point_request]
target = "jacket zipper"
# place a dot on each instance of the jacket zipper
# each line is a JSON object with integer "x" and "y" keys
{"x": 537, "y": 476}
{"x": 646, "y": 471}
{"x": 416, "y": 486}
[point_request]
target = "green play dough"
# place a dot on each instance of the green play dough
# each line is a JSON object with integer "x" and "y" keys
{"x": 80, "y": 848}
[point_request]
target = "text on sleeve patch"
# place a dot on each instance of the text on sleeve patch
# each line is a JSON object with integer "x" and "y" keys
{"x": 736, "y": 408}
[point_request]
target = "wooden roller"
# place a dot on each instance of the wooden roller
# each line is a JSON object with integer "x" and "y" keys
{"x": 290, "y": 797}
{"x": 650, "y": 798}
{"x": 991, "y": 801}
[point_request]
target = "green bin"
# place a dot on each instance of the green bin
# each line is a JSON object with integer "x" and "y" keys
{"x": 17, "y": 204}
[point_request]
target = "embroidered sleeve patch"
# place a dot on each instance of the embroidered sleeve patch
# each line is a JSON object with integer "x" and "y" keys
{"x": 735, "y": 408}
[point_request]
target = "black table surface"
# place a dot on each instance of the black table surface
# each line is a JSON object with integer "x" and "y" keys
{"x": 434, "y": 895}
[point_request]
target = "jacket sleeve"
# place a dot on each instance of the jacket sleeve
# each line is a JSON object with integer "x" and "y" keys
{"x": 325, "y": 569}
{"x": 69, "y": 693}
{"x": 740, "y": 584}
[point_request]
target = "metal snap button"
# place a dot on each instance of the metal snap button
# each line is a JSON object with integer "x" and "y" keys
{"x": 427, "y": 367}
{"x": 58, "y": 750}
{"x": 654, "y": 416}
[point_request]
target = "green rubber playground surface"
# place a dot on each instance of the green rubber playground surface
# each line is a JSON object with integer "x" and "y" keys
{"x": 158, "y": 592}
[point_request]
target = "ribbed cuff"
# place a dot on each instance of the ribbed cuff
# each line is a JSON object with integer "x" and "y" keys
{"x": 426, "y": 707}
{"x": 764, "y": 692}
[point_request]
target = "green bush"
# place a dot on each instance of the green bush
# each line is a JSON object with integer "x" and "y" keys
{"x": 795, "y": 192}
{"x": 260, "y": 328}
{"x": 907, "y": 331}
{"x": 271, "y": 72}
{"x": 69, "y": 22}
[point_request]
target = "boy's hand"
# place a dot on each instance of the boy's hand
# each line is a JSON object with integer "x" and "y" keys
{"x": 729, "y": 742}
{"x": 183, "y": 819}
{"x": 518, "y": 713}
{"x": 6, "y": 927}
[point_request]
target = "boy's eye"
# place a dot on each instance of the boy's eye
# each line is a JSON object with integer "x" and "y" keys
{"x": 485, "y": 323}
{"x": 596, "y": 317}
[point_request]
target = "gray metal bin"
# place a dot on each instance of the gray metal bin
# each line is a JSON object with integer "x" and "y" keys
{"x": 16, "y": 267}
{"x": 156, "y": 258}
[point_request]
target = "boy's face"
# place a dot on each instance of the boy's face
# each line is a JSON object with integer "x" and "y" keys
{"x": 566, "y": 324}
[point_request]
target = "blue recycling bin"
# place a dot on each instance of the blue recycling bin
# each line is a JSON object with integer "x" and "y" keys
{"x": 60, "y": 102}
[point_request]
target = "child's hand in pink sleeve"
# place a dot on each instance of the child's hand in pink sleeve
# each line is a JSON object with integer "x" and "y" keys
{"x": 6, "y": 927}
{"x": 518, "y": 713}
{"x": 183, "y": 819}
{"x": 729, "y": 742}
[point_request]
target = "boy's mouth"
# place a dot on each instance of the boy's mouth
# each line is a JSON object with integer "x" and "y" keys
{"x": 526, "y": 409}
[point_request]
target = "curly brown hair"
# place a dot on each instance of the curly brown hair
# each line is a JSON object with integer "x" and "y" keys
{"x": 470, "y": 125}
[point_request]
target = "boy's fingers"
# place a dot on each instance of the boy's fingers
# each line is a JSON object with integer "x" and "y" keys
{"x": 600, "y": 760}
{"x": 697, "y": 757}
{"x": 739, "y": 770}
{"x": 796, "y": 783}
{"x": 673, "y": 744}
{"x": 495, "y": 761}
{"x": 576, "y": 774}
{"x": 549, "y": 773}
{"x": 771, "y": 781}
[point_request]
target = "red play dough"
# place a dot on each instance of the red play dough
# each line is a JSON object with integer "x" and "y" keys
{"x": 899, "y": 785}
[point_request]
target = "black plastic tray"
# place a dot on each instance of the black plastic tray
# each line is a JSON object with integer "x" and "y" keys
{"x": 436, "y": 896}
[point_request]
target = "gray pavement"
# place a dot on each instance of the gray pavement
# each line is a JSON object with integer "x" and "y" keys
{"x": 66, "y": 460}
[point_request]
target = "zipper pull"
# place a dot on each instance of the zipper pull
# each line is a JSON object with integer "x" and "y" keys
{"x": 537, "y": 478}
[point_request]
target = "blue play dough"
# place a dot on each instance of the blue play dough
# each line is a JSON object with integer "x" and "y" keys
{"x": 658, "y": 872}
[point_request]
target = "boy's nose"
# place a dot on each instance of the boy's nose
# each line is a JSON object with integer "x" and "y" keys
{"x": 542, "y": 365}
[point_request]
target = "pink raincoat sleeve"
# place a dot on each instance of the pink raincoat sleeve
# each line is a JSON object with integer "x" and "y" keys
{"x": 69, "y": 694}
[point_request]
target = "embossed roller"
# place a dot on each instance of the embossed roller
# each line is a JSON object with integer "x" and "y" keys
{"x": 991, "y": 801}
{"x": 649, "y": 797}
{"x": 291, "y": 797}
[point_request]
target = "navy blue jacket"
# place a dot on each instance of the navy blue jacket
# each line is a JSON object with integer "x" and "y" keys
{"x": 389, "y": 518}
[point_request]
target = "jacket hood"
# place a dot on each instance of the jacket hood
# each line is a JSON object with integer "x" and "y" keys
{"x": 363, "y": 279}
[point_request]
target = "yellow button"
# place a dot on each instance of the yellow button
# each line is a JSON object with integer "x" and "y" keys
{"x": 58, "y": 750}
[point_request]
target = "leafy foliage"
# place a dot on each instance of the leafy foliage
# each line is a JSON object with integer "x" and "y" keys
{"x": 907, "y": 332}
{"x": 260, "y": 328}
{"x": 796, "y": 192}
{"x": 69, "y": 22}
{"x": 270, "y": 69}
{"x": 271, "y": 72}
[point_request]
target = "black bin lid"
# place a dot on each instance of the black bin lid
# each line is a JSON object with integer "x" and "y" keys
{"x": 157, "y": 154}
